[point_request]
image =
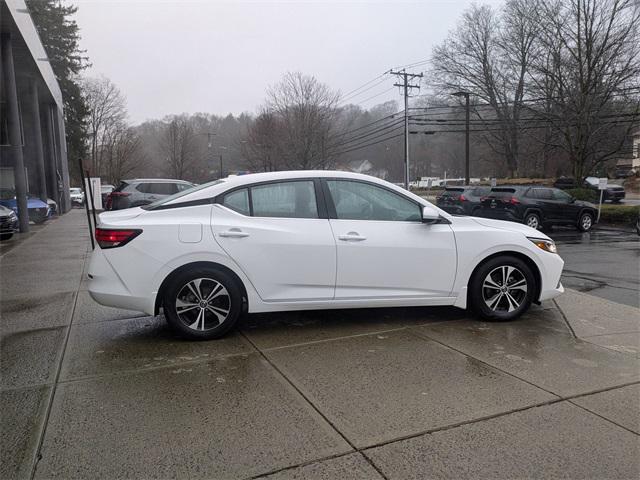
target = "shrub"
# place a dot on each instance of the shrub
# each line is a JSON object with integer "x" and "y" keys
{"x": 584, "y": 194}
{"x": 622, "y": 214}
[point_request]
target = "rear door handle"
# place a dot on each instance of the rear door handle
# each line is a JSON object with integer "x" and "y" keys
{"x": 352, "y": 237}
{"x": 233, "y": 233}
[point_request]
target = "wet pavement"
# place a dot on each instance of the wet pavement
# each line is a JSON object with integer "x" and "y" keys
{"x": 94, "y": 392}
{"x": 603, "y": 262}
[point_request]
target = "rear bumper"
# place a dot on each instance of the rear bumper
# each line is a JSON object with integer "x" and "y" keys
{"x": 106, "y": 287}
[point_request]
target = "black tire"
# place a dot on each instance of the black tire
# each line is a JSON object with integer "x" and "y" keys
{"x": 616, "y": 200}
{"x": 481, "y": 295}
{"x": 531, "y": 219}
{"x": 211, "y": 326}
{"x": 6, "y": 236}
{"x": 585, "y": 222}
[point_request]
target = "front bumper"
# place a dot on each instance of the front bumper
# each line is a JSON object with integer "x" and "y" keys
{"x": 8, "y": 225}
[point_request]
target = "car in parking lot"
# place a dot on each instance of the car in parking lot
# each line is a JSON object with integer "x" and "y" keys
{"x": 77, "y": 196}
{"x": 38, "y": 210}
{"x": 143, "y": 191}
{"x": 462, "y": 200}
{"x": 8, "y": 223}
{"x": 538, "y": 207}
{"x": 614, "y": 193}
{"x": 310, "y": 240}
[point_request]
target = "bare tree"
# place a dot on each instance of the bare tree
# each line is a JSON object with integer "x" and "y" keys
{"x": 489, "y": 55}
{"x": 107, "y": 111}
{"x": 122, "y": 153}
{"x": 590, "y": 77}
{"x": 304, "y": 110}
{"x": 178, "y": 145}
{"x": 259, "y": 146}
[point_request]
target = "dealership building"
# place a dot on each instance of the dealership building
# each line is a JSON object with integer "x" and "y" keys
{"x": 33, "y": 150}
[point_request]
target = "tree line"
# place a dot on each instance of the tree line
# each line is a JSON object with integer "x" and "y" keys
{"x": 554, "y": 88}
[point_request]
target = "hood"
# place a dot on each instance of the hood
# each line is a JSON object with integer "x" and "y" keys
{"x": 582, "y": 203}
{"x": 116, "y": 216}
{"x": 510, "y": 226}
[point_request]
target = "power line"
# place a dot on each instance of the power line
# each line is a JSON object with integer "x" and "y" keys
{"x": 347, "y": 98}
{"x": 368, "y": 144}
{"x": 368, "y": 134}
{"x": 364, "y": 85}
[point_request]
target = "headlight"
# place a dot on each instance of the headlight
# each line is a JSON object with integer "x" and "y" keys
{"x": 546, "y": 245}
{"x": 12, "y": 214}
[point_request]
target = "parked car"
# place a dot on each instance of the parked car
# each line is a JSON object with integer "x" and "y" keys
{"x": 312, "y": 240}
{"x": 538, "y": 207}
{"x": 38, "y": 210}
{"x": 8, "y": 223}
{"x": 77, "y": 196}
{"x": 613, "y": 192}
{"x": 105, "y": 191}
{"x": 461, "y": 200}
{"x": 143, "y": 191}
{"x": 565, "y": 183}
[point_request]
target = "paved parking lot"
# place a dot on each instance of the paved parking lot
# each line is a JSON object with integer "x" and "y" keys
{"x": 93, "y": 392}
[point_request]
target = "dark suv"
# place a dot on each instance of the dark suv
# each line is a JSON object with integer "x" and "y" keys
{"x": 613, "y": 192}
{"x": 462, "y": 200}
{"x": 143, "y": 191}
{"x": 538, "y": 207}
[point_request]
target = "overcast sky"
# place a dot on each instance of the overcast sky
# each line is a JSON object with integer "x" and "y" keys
{"x": 219, "y": 57}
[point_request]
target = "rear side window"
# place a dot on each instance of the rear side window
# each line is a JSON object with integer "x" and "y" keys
{"x": 285, "y": 199}
{"x": 544, "y": 193}
{"x": 238, "y": 201}
{"x": 163, "y": 188}
{"x": 180, "y": 187}
{"x": 363, "y": 201}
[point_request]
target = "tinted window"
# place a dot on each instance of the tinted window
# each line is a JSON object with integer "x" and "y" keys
{"x": 285, "y": 199}
{"x": 561, "y": 196}
{"x": 544, "y": 193}
{"x": 481, "y": 191}
{"x": 161, "y": 188}
{"x": 238, "y": 201}
{"x": 364, "y": 201}
{"x": 141, "y": 187}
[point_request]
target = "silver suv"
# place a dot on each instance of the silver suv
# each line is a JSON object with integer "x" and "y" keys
{"x": 143, "y": 191}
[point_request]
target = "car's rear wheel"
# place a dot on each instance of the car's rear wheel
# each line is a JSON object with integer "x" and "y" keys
{"x": 532, "y": 220}
{"x": 585, "y": 222}
{"x": 502, "y": 289}
{"x": 203, "y": 303}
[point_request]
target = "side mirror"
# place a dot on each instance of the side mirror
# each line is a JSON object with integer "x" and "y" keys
{"x": 429, "y": 214}
{"x": 572, "y": 200}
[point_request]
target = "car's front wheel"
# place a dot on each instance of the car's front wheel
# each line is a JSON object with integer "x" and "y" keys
{"x": 203, "y": 303}
{"x": 585, "y": 222}
{"x": 502, "y": 289}
{"x": 6, "y": 236}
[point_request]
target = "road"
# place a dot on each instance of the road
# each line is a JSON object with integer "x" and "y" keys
{"x": 604, "y": 263}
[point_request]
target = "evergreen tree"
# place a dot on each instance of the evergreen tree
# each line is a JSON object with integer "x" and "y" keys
{"x": 60, "y": 37}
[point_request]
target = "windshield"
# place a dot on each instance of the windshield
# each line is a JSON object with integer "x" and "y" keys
{"x": 175, "y": 196}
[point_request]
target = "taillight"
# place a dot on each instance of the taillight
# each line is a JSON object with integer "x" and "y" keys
{"x": 514, "y": 201}
{"x": 482, "y": 199}
{"x": 112, "y": 238}
{"x": 463, "y": 198}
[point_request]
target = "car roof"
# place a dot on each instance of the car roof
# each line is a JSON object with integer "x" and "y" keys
{"x": 221, "y": 186}
{"x": 155, "y": 180}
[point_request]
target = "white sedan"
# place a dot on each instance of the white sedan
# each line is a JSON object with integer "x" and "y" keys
{"x": 308, "y": 240}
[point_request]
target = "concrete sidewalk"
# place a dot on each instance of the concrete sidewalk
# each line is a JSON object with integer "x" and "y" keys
{"x": 93, "y": 392}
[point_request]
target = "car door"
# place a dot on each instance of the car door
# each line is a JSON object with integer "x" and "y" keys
{"x": 547, "y": 204}
{"x": 384, "y": 249}
{"x": 279, "y": 235}
{"x": 567, "y": 209}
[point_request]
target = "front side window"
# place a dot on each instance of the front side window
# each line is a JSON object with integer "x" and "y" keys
{"x": 238, "y": 201}
{"x": 285, "y": 199}
{"x": 364, "y": 201}
{"x": 561, "y": 196}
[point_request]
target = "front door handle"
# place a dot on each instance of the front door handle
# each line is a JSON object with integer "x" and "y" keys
{"x": 233, "y": 233}
{"x": 352, "y": 237}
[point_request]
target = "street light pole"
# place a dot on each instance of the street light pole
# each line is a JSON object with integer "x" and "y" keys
{"x": 466, "y": 143}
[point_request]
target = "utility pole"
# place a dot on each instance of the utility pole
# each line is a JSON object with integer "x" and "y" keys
{"x": 466, "y": 142}
{"x": 406, "y": 86}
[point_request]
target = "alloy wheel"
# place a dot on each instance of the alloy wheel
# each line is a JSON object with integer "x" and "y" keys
{"x": 504, "y": 289}
{"x": 532, "y": 221}
{"x": 586, "y": 222}
{"x": 203, "y": 304}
